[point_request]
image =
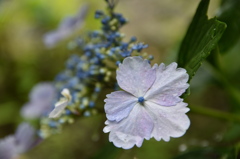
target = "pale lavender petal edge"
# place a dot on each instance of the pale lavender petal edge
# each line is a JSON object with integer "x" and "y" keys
{"x": 170, "y": 83}
{"x": 135, "y": 75}
{"x": 168, "y": 121}
{"x": 131, "y": 130}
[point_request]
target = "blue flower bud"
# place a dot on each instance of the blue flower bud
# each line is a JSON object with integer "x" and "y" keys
{"x": 117, "y": 63}
{"x": 105, "y": 20}
{"x": 139, "y": 46}
{"x": 98, "y": 14}
{"x": 122, "y": 20}
{"x": 91, "y": 104}
{"x": 133, "y": 39}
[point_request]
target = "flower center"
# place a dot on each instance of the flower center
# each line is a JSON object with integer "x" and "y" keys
{"x": 141, "y": 100}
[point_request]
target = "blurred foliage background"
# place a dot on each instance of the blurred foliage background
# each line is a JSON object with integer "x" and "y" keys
{"x": 25, "y": 61}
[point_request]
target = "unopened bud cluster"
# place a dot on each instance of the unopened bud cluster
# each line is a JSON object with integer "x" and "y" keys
{"x": 92, "y": 69}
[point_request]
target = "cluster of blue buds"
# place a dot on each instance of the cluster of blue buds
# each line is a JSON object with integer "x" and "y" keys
{"x": 91, "y": 70}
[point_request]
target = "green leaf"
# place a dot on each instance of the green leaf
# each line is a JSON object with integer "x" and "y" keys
{"x": 201, "y": 37}
{"x": 230, "y": 14}
{"x": 214, "y": 57}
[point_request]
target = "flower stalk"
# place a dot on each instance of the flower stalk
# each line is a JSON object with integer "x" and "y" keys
{"x": 215, "y": 113}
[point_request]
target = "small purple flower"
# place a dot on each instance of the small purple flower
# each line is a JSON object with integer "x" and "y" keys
{"x": 150, "y": 106}
{"x": 23, "y": 140}
{"x": 7, "y": 150}
{"x": 68, "y": 26}
{"x": 41, "y": 98}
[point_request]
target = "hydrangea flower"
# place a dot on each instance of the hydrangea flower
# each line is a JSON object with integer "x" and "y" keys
{"x": 41, "y": 98}
{"x": 150, "y": 106}
{"x": 23, "y": 140}
{"x": 62, "y": 104}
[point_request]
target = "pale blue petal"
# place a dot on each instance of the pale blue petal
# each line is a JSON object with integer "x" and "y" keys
{"x": 42, "y": 97}
{"x": 43, "y": 92}
{"x": 35, "y": 110}
{"x": 72, "y": 23}
{"x": 168, "y": 121}
{"x": 8, "y": 148}
{"x": 170, "y": 83}
{"x": 131, "y": 130}
{"x": 25, "y": 138}
{"x": 118, "y": 105}
{"x": 135, "y": 75}
{"x": 67, "y": 27}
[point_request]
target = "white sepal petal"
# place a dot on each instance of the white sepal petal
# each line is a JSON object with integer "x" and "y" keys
{"x": 170, "y": 83}
{"x": 131, "y": 130}
{"x": 168, "y": 121}
{"x": 135, "y": 75}
{"x": 118, "y": 105}
{"x": 62, "y": 104}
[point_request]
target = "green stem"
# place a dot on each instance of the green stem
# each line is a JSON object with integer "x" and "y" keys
{"x": 215, "y": 113}
{"x": 232, "y": 91}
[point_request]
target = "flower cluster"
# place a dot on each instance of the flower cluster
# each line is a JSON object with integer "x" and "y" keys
{"x": 91, "y": 70}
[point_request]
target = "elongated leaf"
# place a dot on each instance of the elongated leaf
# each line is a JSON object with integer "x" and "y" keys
{"x": 230, "y": 14}
{"x": 201, "y": 37}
